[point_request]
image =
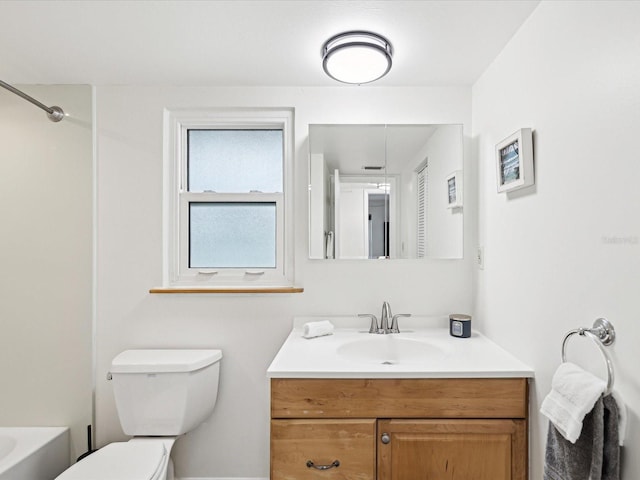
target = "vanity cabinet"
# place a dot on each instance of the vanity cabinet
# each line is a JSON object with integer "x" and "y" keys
{"x": 399, "y": 429}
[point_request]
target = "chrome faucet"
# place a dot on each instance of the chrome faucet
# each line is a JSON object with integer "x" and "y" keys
{"x": 384, "y": 327}
{"x": 384, "y": 318}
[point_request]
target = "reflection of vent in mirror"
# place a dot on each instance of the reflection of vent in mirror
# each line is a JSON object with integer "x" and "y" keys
{"x": 366, "y": 195}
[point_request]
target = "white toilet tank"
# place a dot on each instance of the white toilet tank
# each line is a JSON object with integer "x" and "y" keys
{"x": 165, "y": 392}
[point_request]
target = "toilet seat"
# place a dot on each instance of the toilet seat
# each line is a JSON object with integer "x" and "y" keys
{"x": 146, "y": 460}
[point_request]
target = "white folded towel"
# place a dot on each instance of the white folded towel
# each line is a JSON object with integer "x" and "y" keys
{"x": 573, "y": 394}
{"x": 317, "y": 329}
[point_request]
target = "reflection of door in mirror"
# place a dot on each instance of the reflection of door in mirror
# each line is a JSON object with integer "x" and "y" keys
{"x": 378, "y": 204}
{"x": 361, "y": 219}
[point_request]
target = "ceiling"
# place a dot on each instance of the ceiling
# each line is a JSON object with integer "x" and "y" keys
{"x": 249, "y": 43}
{"x": 349, "y": 148}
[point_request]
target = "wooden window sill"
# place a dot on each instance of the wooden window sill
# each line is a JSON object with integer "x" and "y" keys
{"x": 223, "y": 290}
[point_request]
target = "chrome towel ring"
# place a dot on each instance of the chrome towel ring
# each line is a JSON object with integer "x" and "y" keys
{"x": 603, "y": 334}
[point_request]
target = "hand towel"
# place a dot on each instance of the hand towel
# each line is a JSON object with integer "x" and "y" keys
{"x": 622, "y": 416}
{"x": 596, "y": 453}
{"x": 574, "y": 392}
{"x": 317, "y": 329}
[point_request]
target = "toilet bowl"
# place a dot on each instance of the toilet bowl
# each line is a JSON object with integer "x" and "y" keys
{"x": 160, "y": 394}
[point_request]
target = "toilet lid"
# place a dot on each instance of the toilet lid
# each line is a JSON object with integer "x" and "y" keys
{"x": 121, "y": 461}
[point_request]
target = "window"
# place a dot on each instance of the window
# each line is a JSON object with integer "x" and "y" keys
{"x": 228, "y": 188}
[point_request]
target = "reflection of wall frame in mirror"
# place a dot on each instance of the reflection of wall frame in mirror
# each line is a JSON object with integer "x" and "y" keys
{"x": 514, "y": 161}
{"x": 454, "y": 189}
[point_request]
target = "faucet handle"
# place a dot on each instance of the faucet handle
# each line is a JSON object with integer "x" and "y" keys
{"x": 374, "y": 321}
{"x": 394, "y": 322}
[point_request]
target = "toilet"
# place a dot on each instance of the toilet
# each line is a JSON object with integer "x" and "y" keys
{"x": 160, "y": 394}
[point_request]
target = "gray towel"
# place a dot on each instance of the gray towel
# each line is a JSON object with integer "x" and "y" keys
{"x": 595, "y": 455}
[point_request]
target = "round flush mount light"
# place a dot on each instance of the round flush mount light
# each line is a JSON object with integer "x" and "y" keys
{"x": 357, "y": 57}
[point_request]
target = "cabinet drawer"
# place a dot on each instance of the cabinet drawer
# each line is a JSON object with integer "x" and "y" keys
{"x": 296, "y": 442}
{"x": 399, "y": 398}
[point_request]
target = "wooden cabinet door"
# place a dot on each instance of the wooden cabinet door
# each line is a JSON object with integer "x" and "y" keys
{"x": 452, "y": 450}
{"x": 351, "y": 444}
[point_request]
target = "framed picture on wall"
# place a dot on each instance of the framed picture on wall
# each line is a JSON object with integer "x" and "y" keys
{"x": 514, "y": 161}
{"x": 454, "y": 189}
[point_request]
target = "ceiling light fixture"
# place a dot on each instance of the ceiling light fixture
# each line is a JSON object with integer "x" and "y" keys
{"x": 357, "y": 57}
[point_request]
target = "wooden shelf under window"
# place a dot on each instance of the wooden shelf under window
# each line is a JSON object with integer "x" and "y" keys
{"x": 191, "y": 290}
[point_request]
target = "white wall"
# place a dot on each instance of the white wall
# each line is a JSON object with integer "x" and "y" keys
{"x": 444, "y": 225}
{"x": 250, "y": 328}
{"x": 561, "y": 253}
{"x": 46, "y": 257}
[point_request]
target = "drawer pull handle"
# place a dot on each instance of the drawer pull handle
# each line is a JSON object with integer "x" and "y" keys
{"x": 335, "y": 464}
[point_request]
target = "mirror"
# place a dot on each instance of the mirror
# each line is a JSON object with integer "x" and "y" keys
{"x": 385, "y": 191}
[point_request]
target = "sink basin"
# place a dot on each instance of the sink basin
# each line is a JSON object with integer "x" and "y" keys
{"x": 389, "y": 350}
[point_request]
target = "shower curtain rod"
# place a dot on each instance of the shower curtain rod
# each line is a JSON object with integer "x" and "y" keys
{"x": 54, "y": 113}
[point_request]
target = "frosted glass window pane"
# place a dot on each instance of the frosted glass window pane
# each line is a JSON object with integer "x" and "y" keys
{"x": 232, "y": 235}
{"x": 235, "y": 161}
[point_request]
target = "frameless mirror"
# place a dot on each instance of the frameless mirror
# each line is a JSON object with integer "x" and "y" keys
{"x": 385, "y": 191}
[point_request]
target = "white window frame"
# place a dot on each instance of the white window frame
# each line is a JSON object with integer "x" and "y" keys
{"x": 176, "y": 271}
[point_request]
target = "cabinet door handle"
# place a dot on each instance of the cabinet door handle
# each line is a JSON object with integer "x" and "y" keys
{"x": 335, "y": 464}
{"x": 385, "y": 438}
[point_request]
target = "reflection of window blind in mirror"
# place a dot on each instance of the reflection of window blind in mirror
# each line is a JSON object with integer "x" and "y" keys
{"x": 421, "y": 244}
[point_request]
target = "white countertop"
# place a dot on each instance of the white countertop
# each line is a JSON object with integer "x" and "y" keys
{"x": 445, "y": 356}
